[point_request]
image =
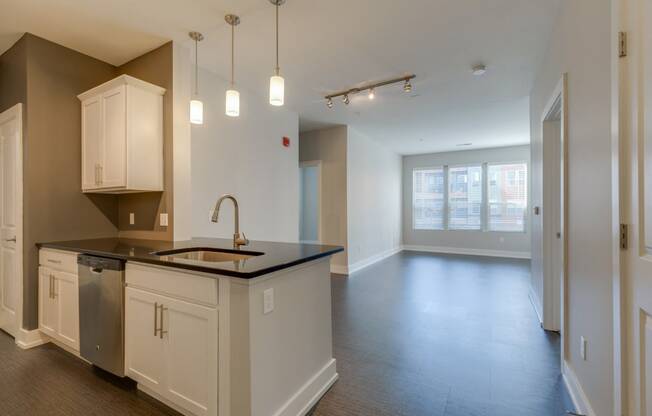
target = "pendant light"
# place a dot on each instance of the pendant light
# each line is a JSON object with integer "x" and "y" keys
{"x": 232, "y": 95}
{"x": 196, "y": 106}
{"x": 276, "y": 82}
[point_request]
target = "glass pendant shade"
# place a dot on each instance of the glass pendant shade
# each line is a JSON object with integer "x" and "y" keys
{"x": 232, "y": 103}
{"x": 276, "y": 90}
{"x": 196, "y": 112}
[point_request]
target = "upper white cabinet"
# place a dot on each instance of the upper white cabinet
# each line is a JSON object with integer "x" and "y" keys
{"x": 122, "y": 137}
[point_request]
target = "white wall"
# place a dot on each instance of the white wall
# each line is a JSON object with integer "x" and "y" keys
{"x": 374, "y": 199}
{"x": 244, "y": 156}
{"x": 580, "y": 46}
{"x": 508, "y": 243}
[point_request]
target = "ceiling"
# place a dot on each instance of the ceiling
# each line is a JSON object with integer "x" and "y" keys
{"x": 331, "y": 45}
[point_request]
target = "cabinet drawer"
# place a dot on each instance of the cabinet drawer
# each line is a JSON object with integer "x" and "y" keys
{"x": 58, "y": 260}
{"x": 177, "y": 284}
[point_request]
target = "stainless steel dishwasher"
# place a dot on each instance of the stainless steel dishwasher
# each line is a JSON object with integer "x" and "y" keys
{"x": 101, "y": 312}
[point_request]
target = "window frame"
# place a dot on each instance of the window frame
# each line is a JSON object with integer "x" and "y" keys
{"x": 484, "y": 206}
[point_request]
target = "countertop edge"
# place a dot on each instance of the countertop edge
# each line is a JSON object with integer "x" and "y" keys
{"x": 197, "y": 268}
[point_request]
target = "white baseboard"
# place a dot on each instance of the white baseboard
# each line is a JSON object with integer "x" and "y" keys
{"x": 339, "y": 269}
{"x": 469, "y": 251}
{"x": 579, "y": 398}
{"x": 30, "y": 339}
{"x": 310, "y": 393}
{"x": 373, "y": 259}
{"x": 534, "y": 300}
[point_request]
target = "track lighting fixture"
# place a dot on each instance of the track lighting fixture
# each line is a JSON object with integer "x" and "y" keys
{"x": 371, "y": 88}
{"x": 196, "y": 106}
{"x": 232, "y": 95}
{"x": 276, "y": 82}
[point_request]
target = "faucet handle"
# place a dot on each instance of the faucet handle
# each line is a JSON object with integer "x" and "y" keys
{"x": 240, "y": 240}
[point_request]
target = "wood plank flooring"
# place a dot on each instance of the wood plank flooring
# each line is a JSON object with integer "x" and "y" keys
{"x": 414, "y": 335}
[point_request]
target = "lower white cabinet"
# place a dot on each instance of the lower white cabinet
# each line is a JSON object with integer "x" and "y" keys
{"x": 59, "y": 306}
{"x": 171, "y": 349}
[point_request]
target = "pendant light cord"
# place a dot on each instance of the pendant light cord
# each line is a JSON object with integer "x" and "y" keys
{"x": 196, "y": 70}
{"x": 232, "y": 55}
{"x": 277, "y": 69}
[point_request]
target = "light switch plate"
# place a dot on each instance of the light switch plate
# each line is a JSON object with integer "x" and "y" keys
{"x": 132, "y": 218}
{"x": 164, "y": 220}
{"x": 268, "y": 301}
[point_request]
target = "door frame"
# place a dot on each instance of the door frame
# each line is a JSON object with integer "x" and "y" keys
{"x": 554, "y": 303}
{"x": 316, "y": 164}
{"x": 17, "y": 112}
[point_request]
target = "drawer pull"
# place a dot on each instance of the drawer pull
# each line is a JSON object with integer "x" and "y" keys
{"x": 54, "y": 261}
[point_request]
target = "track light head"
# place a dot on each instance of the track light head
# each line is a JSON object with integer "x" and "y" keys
{"x": 407, "y": 87}
{"x": 345, "y": 99}
{"x": 329, "y": 103}
{"x": 372, "y": 94}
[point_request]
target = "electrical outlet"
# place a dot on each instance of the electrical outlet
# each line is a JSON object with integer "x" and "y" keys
{"x": 583, "y": 345}
{"x": 132, "y": 218}
{"x": 164, "y": 220}
{"x": 268, "y": 301}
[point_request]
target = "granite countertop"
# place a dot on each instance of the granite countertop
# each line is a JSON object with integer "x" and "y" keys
{"x": 276, "y": 256}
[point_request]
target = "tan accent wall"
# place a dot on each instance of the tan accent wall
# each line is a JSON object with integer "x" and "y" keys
{"x": 46, "y": 78}
{"x": 329, "y": 146}
{"x": 154, "y": 67}
{"x": 54, "y": 206}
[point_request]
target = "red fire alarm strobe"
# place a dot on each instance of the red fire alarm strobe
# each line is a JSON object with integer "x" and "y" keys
{"x": 286, "y": 141}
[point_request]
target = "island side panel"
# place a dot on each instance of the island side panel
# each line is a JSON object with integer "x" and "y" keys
{"x": 291, "y": 348}
{"x": 239, "y": 354}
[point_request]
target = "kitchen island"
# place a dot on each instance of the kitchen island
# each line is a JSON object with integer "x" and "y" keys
{"x": 213, "y": 330}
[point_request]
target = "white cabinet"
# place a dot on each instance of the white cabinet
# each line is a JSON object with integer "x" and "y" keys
{"x": 122, "y": 137}
{"x": 59, "y": 306}
{"x": 171, "y": 349}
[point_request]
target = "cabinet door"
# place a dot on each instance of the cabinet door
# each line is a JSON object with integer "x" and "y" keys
{"x": 191, "y": 356}
{"x": 67, "y": 298}
{"x": 114, "y": 144}
{"x": 47, "y": 310}
{"x": 91, "y": 142}
{"x": 144, "y": 358}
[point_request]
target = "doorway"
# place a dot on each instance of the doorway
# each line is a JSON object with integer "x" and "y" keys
{"x": 11, "y": 220}
{"x": 310, "y": 197}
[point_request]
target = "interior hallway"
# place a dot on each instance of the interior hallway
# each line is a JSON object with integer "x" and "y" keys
{"x": 416, "y": 334}
{"x": 425, "y": 334}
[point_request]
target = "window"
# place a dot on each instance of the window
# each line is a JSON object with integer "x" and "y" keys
{"x": 482, "y": 197}
{"x": 428, "y": 199}
{"x": 465, "y": 198}
{"x": 507, "y": 197}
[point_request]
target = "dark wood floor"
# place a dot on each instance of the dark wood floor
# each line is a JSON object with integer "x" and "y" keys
{"x": 425, "y": 334}
{"x": 416, "y": 334}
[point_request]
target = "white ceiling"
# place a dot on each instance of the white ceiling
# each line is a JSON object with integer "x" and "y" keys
{"x": 331, "y": 45}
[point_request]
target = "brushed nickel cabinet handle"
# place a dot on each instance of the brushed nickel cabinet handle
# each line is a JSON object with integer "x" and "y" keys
{"x": 101, "y": 173}
{"x": 54, "y": 261}
{"x": 51, "y": 287}
{"x": 155, "y": 318}
{"x": 161, "y": 331}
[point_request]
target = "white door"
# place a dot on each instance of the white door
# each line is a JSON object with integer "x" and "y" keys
{"x": 47, "y": 306}
{"x": 66, "y": 293}
{"x": 91, "y": 142}
{"x": 191, "y": 355}
{"x": 144, "y": 358}
{"x": 636, "y": 194}
{"x": 114, "y": 144}
{"x": 10, "y": 219}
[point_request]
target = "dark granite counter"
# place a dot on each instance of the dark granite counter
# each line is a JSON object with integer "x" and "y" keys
{"x": 274, "y": 257}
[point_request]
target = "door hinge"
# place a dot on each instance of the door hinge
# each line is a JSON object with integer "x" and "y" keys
{"x": 624, "y": 234}
{"x": 622, "y": 44}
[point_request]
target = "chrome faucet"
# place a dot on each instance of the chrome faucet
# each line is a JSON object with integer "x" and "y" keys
{"x": 238, "y": 240}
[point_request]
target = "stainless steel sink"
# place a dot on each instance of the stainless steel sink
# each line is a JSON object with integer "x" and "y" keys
{"x": 207, "y": 255}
